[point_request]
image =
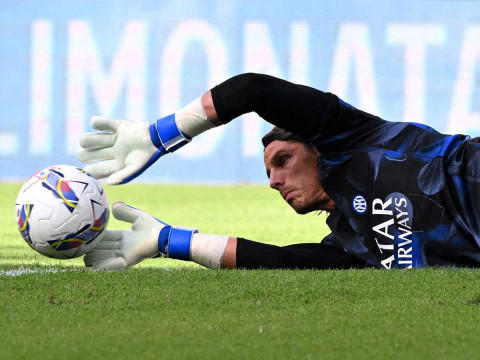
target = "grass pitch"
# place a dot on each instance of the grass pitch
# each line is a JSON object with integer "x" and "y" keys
{"x": 161, "y": 309}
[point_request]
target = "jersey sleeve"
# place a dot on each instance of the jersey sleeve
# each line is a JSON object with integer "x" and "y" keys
{"x": 325, "y": 255}
{"x": 319, "y": 117}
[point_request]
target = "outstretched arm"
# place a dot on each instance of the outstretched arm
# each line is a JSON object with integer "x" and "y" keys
{"x": 150, "y": 237}
{"x": 122, "y": 150}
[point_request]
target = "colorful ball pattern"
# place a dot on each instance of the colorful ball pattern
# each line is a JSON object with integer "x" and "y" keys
{"x": 62, "y": 211}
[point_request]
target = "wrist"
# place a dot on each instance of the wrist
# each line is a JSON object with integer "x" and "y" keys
{"x": 193, "y": 119}
{"x": 211, "y": 251}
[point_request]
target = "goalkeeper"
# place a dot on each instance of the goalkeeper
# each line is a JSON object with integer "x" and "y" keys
{"x": 399, "y": 195}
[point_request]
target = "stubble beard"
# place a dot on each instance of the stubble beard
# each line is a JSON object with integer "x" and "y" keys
{"x": 321, "y": 204}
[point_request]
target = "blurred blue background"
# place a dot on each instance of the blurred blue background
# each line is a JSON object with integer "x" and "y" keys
{"x": 64, "y": 61}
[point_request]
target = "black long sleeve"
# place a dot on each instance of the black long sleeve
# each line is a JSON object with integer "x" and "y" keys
{"x": 255, "y": 255}
{"x": 297, "y": 108}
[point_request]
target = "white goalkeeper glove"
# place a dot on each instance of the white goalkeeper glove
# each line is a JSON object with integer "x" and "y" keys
{"x": 148, "y": 237}
{"x": 125, "y": 149}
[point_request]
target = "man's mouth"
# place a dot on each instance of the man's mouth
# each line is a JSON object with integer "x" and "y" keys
{"x": 287, "y": 195}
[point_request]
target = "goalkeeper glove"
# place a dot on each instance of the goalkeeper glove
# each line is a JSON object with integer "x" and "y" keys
{"x": 125, "y": 149}
{"x": 149, "y": 237}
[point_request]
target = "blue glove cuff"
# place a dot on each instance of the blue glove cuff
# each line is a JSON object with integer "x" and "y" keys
{"x": 166, "y": 135}
{"x": 179, "y": 243}
{"x": 163, "y": 239}
{"x": 174, "y": 242}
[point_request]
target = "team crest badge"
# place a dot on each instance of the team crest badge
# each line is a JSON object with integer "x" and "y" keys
{"x": 359, "y": 204}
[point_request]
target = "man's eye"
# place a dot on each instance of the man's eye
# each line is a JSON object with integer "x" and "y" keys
{"x": 282, "y": 160}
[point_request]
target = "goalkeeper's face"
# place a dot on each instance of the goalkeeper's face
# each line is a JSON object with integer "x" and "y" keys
{"x": 292, "y": 168}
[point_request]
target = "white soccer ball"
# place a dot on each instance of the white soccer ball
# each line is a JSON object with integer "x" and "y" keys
{"x": 62, "y": 212}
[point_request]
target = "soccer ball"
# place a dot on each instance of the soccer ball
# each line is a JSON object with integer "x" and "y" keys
{"x": 62, "y": 212}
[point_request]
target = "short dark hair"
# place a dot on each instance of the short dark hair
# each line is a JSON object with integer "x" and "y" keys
{"x": 280, "y": 134}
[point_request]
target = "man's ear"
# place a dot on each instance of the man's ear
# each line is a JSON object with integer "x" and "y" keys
{"x": 314, "y": 149}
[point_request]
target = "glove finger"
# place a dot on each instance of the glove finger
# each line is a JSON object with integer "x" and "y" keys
{"x": 112, "y": 235}
{"x": 110, "y": 264}
{"x": 100, "y": 255}
{"x": 111, "y": 240}
{"x": 103, "y": 169}
{"x": 124, "y": 212}
{"x": 105, "y": 123}
{"x": 95, "y": 256}
{"x": 96, "y": 140}
{"x": 108, "y": 245}
{"x": 86, "y": 156}
{"x": 129, "y": 172}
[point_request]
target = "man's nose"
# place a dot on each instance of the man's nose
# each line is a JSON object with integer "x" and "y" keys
{"x": 275, "y": 179}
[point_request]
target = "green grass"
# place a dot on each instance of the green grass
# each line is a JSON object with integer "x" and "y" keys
{"x": 167, "y": 310}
